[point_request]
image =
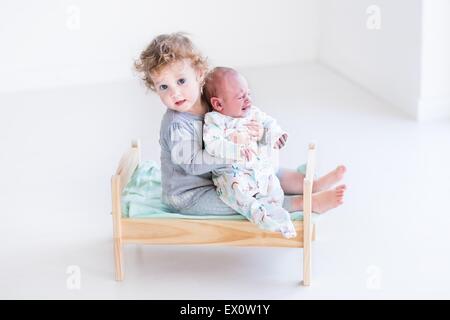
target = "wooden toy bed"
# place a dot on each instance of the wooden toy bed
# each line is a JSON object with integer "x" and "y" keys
{"x": 203, "y": 232}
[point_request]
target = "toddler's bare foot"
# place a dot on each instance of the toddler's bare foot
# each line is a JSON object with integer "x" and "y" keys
{"x": 326, "y": 200}
{"x": 328, "y": 180}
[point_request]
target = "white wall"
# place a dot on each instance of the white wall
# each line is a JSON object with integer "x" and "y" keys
{"x": 435, "y": 85}
{"x": 387, "y": 60}
{"x": 60, "y": 42}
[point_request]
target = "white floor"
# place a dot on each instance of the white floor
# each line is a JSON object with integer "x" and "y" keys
{"x": 389, "y": 240}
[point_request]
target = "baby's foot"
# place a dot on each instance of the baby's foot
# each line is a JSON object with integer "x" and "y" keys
{"x": 288, "y": 231}
{"x": 328, "y": 180}
{"x": 326, "y": 200}
{"x": 281, "y": 217}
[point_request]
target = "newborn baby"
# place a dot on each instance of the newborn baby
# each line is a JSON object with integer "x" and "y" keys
{"x": 249, "y": 184}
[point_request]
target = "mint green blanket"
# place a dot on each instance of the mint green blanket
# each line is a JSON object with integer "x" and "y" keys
{"x": 141, "y": 198}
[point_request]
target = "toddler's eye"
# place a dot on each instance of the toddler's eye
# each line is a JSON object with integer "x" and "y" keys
{"x": 182, "y": 81}
{"x": 163, "y": 87}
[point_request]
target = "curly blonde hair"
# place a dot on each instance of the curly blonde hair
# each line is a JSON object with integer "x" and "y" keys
{"x": 166, "y": 49}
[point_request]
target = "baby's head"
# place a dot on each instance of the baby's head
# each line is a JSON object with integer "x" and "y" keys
{"x": 173, "y": 68}
{"x": 227, "y": 92}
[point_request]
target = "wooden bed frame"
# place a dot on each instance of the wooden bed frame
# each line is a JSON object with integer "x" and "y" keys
{"x": 204, "y": 232}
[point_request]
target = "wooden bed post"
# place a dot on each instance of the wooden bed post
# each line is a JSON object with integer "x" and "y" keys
{"x": 136, "y": 143}
{"x": 126, "y": 167}
{"x": 307, "y": 212}
{"x": 117, "y": 226}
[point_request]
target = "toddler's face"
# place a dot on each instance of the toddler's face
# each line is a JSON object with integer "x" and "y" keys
{"x": 178, "y": 85}
{"x": 234, "y": 96}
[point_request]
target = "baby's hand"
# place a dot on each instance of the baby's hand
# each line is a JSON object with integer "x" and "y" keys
{"x": 281, "y": 142}
{"x": 255, "y": 129}
{"x": 240, "y": 138}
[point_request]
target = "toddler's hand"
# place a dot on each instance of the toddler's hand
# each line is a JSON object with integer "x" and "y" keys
{"x": 281, "y": 142}
{"x": 255, "y": 129}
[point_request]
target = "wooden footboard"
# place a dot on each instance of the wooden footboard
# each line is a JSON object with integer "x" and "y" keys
{"x": 202, "y": 232}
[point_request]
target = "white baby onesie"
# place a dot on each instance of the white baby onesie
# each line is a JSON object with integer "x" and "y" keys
{"x": 249, "y": 187}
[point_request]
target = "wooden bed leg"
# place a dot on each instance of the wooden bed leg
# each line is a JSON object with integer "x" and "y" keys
{"x": 307, "y": 233}
{"x": 118, "y": 259}
{"x": 117, "y": 227}
{"x": 307, "y": 212}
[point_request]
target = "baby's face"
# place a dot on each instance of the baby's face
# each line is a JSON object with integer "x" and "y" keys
{"x": 178, "y": 85}
{"x": 234, "y": 96}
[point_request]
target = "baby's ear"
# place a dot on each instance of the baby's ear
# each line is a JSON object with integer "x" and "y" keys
{"x": 215, "y": 103}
